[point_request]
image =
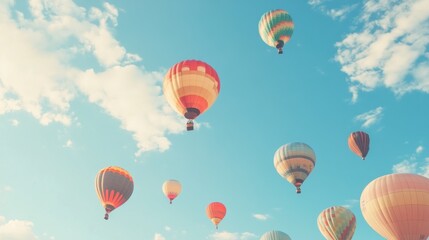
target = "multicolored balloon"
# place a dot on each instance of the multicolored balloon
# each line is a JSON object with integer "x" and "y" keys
{"x": 294, "y": 162}
{"x": 191, "y": 87}
{"x": 275, "y": 235}
{"x": 216, "y": 212}
{"x": 337, "y": 223}
{"x": 171, "y": 189}
{"x": 114, "y": 187}
{"x": 276, "y": 28}
{"x": 359, "y": 143}
{"x": 396, "y": 206}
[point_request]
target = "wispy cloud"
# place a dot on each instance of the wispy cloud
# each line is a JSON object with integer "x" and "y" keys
{"x": 389, "y": 47}
{"x": 413, "y": 163}
{"x": 14, "y": 122}
{"x": 16, "y": 230}
{"x": 167, "y": 228}
{"x": 68, "y": 144}
{"x": 42, "y": 73}
{"x": 262, "y": 217}
{"x": 232, "y": 236}
{"x": 371, "y": 117}
{"x": 334, "y": 13}
{"x": 351, "y": 203}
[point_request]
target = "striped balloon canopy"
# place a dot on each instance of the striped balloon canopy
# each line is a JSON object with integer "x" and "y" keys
{"x": 359, "y": 143}
{"x": 114, "y": 186}
{"x": 396, "y": 206}
{"x": 191, "y": 87}
{"x": 276, "y": 28}
{"x": 337, "y": 223}
{"x": 216, "y": 211}
{"x": 275, "y": 235}
{"x": 294, "y": 162}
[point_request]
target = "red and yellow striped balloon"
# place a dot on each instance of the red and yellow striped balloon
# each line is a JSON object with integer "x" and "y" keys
{"x": 191, "y": 87}
{"x": 114, "y": 187}
{"x": 216, "y": 212}
{"x": 396, "y": 206}
{"x": 359, "y": 143}
{"x": 337, "y": 223}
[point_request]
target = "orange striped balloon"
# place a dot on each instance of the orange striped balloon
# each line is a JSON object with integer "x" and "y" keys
{"x": 359, "y": 143}
{"x": 114, "y": 187}
{"x": 191, "y": 87}
{"x": 337, "y": 223}
{"x": 396, "y": 206}
{"x": 216, "y": 212}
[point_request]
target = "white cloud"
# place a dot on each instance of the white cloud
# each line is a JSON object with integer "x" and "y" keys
{"x": 261, "y": 217}
{"x": 314, "y": 2}
{"x": 167, "y": 228}
{"x": 158, "y": 236}
{"x": 389, "y": 48}
{"x": 7, "y": 188}
{"x": 351, "y": 203}
{"x": 16, "y": 230}
{"x": 412, "y": 164}
{"x": 68, "y": 144}
{"x": 41, "y": 70}
{"x": 232, "y": 236}
{"x": 14, "y": 122}
{"x": 371, "y": 117}
{"x": 336, "y": 14}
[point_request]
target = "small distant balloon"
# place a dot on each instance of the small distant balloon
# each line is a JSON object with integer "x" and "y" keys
{"x": 294, "y": 162}
{"x": 275, "y": 235}
{"x": 171, "y": 189}
{"x": 191, "y": 87}
{"x": 337, "y": 223}
{"x": 114, "y": 186}
{"x": 276, "y": 28}
{"x": 359, "y": 143}
{"x": 216, "y": 212}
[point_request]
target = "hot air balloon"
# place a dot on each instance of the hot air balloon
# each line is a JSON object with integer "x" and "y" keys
{"x": 359, "y": 143}
{"x": 191, "y": 87}
{"x": 216, "y": 212}
{"x": 294, "y": 162}
{"x": 171, "y": 189}
{"x": 337, "y": 223}
{"x": 275, "y": 235}
{"x": 276, "y": 28}
{"x": 114, "y": 187}
{"x": 396, "y": 206}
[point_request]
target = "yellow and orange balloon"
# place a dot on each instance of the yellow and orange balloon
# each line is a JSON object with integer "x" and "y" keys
{"x": 337, "y": 223}
{"x": 114, "y": 186}
{"x": 396, "y": 206}
{"x": 191, "y": 87}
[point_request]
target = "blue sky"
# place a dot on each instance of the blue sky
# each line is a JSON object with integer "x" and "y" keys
{"x": 81, "y": 89}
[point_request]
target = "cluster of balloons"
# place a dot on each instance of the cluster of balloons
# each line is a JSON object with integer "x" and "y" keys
{"x": 396, "y": 205}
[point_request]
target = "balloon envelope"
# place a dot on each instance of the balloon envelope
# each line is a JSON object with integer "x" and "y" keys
{"x": 396, "y": 206}
{"x": 114, "y": 186}
{"x": 359, "y": 143}
{"x": 294, "y": 162}
{"x": 171, "y": 189}
{"x": 275, "y": 235}
{"x": 276, "y": 28}
{"x": 191, "y": 87}
{"x": 337, "y": 223}
{"x": 216, "y": 212}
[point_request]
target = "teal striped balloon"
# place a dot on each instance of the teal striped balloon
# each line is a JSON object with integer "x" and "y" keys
{"x": 275, "y": 235}
{"x": 276, "y": 28}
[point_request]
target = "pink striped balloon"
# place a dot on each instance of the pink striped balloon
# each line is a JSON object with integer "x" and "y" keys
{"x": 337, "y": 223}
